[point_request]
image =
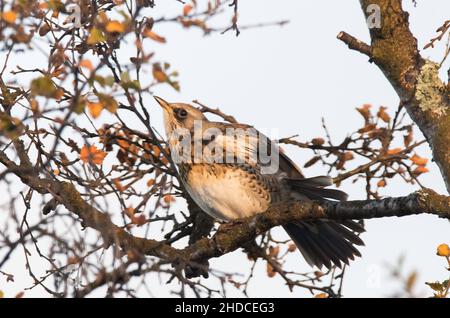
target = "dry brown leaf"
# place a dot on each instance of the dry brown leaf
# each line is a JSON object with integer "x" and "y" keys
{"x": 139, "y": 220}
{"x": 318, "y": 141}
{"x": 367, "y": 128}
{"x": 383, "y": 115}
{"x": 155, "y": 37}
{"x": 270, "y": 270}
{"x": 365, "y": 111}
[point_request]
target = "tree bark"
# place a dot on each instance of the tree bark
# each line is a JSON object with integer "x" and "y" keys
{"x": 415, "y": 79}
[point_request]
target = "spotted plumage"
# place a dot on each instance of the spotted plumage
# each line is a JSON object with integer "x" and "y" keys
{"x": 241, "y": 187}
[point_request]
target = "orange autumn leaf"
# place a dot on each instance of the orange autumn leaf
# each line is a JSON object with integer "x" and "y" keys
{"x": 365, "y": 111}
{"x": 367, "y": 128}
{"x": 420, "y": 170}
{"x": 155, "y": 37}
{"x": 139, "y": 220}
{"x": 115, "y": 27}
{"x": 394, "y": 151}
{"x": 129, "y": 212}
{"x": 92, "y": 154}
{"x": 168, "y": 198}
{"x": 123, "y": 143}
{"x": 59, "y": 93}
{"x": 150, "y": 182}
{"x": 87, "y": 64}
{"x": 383, "y": 115}
{"x": 133, "y": 149}
{"x": 443, "y": 250}
{"x": 160, "y": 76}
{"x": 270, "y": 270}
{"x": 381, "y": 183}
{"x": 186, "y": 9}
{"x": 419, "y": 160}
{"x": 9, "y": 17}
{"x": 156, "y": 151}
{"x": 34, "y": 105}
{"x": 118, "y": 185}
{"x": 94, "y": 109}
{"x": 321, "y": 295}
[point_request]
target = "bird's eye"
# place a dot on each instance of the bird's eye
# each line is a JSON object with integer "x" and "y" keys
{"x": 181, "y": 113}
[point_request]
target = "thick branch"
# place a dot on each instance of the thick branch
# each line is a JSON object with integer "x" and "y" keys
{"x": 232, "y": 236}
{"x": 416, "y": 81}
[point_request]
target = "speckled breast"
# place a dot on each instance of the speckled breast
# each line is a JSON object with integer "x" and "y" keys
{"x": 230, "y": 191}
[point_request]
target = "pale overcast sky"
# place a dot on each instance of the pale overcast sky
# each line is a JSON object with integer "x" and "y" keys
{"x": 288, "y": 78}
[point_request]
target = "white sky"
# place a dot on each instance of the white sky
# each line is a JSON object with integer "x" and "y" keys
{"x": 288, "y": 78}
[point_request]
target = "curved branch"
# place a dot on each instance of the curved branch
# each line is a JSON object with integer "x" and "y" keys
{"x": 230, "y": 236}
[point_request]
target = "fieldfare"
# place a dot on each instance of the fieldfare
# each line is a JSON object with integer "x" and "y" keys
{"x": 224, "y": 168}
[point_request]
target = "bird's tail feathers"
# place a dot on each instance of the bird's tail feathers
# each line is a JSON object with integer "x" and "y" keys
{"x": 323, "y": 242}
{"x": 314, "y": 188}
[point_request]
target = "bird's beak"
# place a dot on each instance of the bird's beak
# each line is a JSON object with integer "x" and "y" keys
{"x": 165, "y": 105}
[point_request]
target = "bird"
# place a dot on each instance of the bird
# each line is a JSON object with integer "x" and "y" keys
{"x": 229, "y": 190}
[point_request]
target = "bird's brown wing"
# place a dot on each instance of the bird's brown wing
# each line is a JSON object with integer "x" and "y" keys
{"x": 322, "y": 242}
{"x": 289, "y": 167}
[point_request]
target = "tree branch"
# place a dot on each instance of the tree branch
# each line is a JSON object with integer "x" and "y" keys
{"x": 230, "y": 236}
{"x": 355, "y": 44}
{"x": 415, "y": 79}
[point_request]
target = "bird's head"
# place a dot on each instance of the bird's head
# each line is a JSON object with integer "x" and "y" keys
{"x": 179, "y": 115}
